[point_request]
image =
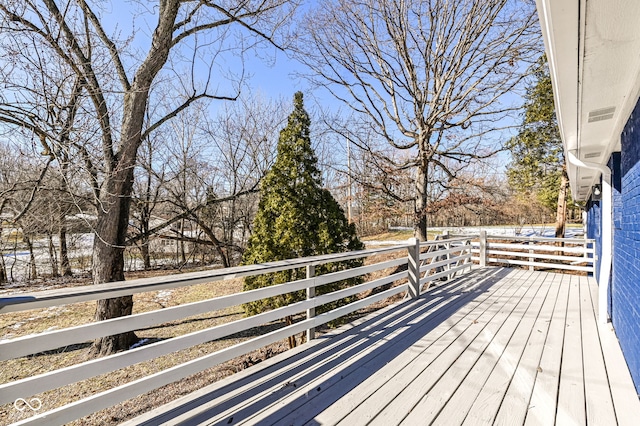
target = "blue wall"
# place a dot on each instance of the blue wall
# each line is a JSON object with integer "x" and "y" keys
{"x": 625, "y": 286}
{"x": 618, "y": 209}
{"x": 594, "y": 231}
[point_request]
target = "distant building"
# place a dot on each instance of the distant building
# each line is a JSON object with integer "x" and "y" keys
{"x": 593, "y": 48}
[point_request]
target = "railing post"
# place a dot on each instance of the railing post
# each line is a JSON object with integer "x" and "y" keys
{"x": 311, "y": 293}
{"x": 447, "y": 246}
{"x": 483, "y": 249}
{"x": 414, "y": 267}
{"x": 593, "y": 255}
{"x": 531, "y": 267}
{"x": 466, "y": 251}
{"x": 585, "y": 247}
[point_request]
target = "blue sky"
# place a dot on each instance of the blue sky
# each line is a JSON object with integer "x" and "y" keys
{"x": 276, "y": 79}
{"x": 270, "y": 72}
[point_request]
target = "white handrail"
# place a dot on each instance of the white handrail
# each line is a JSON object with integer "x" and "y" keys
{"x": 458, "y": 253}
{"x": 44, "y": 299}
{"x": 507, "y": 250}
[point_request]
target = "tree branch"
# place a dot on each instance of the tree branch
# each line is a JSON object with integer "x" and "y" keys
{"x": 32, "y": 196}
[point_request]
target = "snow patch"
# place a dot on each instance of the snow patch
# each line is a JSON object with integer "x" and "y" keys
{"x": 163, "y": 295}
{"x": 55, "y": 311}
{"x": 516, "y": 231}
{"x": 492, "y": 231}
{"x": 386, "y": 243}
{"x": 139, "y": 343}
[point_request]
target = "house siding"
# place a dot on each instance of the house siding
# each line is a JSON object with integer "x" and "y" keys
{"x": 594, "y": 229}
{"x": 625, "y": 286}
{"x": 616, "y": 193}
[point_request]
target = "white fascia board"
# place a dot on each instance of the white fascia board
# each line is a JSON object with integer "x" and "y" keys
{"x": 592, "y": 48}
{"x": 559, "y": 22}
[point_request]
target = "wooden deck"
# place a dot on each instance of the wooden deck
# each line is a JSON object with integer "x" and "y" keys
{"x": 498, "y": 346}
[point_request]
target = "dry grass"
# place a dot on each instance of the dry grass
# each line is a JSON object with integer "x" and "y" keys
{"x": 390, "y": 236}
{"x": 36, "y": 321}
{"x": 399, "y": 236}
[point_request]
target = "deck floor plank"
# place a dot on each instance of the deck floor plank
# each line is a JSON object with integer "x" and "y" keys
{"x": 497, "y": 346}
{"x": 460, "y": 386}
{"x": 423, "y": 358}
{"x": 325, "y": 369}
{"x": 237, "y": 390}
{"x": 363, "y": 361}
{"x": 624, "y": 396}
{"x": 515, "y": 404}
{"x": 507, "y": 353}
{"x": 360, "y": 374}
{"x": 571, "y": 401}
{"x": 544, "y": 397}
{"x": 399, "y": 398}
{"x": 596, "y": 387}
{"x": 326, "y": 366}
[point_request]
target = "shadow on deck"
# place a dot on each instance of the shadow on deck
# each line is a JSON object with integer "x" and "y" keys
{"x": 497, "y": 345}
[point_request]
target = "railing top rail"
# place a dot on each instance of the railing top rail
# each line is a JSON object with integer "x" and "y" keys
{"x": 542, "y": 239}
{"x": 40, "y": 299}
{"x": 451, "y": 239}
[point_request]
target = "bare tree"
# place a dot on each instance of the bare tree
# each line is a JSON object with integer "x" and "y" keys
{"x": 104, "y": 82}
{"x": 239, "y": 147}
{"x": 149, "y": 181}
{"x": 6, "y": 188}
{"x": 244, "y": 137}
{"x": 202, "y": 183}
{"x": 66, "y": 205}
{"x": 431, "y": 77}
{"x": 35, "y": 202}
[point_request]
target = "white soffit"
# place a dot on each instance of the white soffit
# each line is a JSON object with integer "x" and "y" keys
{"x": 593, "y": 49}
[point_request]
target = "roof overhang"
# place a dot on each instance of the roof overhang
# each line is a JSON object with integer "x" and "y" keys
{"x": 593, "y": 49}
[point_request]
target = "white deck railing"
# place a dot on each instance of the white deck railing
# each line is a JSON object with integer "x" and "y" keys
{"x": 574, "y": 254}
{"x": 439, "y": 262}
{"x": 417, "y": 266}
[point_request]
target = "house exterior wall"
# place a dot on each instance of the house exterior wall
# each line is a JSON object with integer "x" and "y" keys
{"x": 594, "y": 231}
{"x": 617, "y": 211}
{"x": 625, "y": 285}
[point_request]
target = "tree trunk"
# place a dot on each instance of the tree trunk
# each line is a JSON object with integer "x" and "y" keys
{"x": 13, "y": 264}
{"x": 420, "y": 205}
{"x": 52, "y": 257}
{"x": 3, "y": 270}
{"x": 217, "y": 244}
{"x": 108, "y": 258}
{"x": 561, "y": 213}
{"x": 183, "y": 254}
{"x": 145, "y": 218}
{"x": 292, "y": 339}
{"x": 144, "y": 251}
{"x": 112, "y": 262}
{"x": 65, "y": 265}
{"x": 110, "y": 236}
{"x": 32, "y": 270}
{"x": 115, "y": 195}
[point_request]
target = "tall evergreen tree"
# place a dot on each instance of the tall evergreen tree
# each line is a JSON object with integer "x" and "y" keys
{"x": 297, "y": 217}
{"x": 538, "y": 165}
